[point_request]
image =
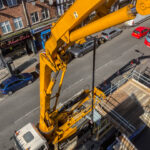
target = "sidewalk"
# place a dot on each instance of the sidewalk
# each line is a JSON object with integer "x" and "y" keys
{"x": 24, "y": 64}
{"x": 28, "y": 63}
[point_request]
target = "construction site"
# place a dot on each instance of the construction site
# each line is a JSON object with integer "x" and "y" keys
{"x": 113, "y": 115}
{"x": 119, "y": 118}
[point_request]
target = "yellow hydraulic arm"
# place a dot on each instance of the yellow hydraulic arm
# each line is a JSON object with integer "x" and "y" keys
{"x": 64, "y": 33}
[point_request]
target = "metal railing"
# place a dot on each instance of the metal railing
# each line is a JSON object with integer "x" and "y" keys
{"x": 115, "y": 115}
{"x": 133, "y": 75}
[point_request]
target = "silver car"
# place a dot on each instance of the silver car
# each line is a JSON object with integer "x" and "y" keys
{"x": 80, "y": 49}
{"x": 109, "y": 34}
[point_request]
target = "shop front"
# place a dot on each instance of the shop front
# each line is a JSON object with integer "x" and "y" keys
{"x": 17, "y": 46}
{"x": 41, "y": 35}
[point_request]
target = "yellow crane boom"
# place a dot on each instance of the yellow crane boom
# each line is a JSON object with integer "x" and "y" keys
{"x": 64, "y": 33}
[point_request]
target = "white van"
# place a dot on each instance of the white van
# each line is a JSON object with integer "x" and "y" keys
{"x": 137, "y": 20}
{"x": 28, "y": 137}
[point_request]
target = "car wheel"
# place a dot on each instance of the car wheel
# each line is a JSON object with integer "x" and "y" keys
{"x": 102, "y": 40}
{"x": 29, "y": 82}
{"x": 10, "y": 93}
{"x": 81, "y": 55}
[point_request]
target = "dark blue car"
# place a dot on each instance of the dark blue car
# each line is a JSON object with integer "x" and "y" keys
{"x": 15, "y": 82}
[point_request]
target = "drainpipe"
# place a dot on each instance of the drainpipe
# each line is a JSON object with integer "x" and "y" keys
{"x": 25, "y": 13}
{"x": 29, "y": 24}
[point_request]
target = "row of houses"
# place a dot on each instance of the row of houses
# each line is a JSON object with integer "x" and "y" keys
{"x": 26, "y": 24}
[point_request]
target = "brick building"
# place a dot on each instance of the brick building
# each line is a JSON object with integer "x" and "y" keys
{"x": 20, "y": 21}
{"x": 25, "y": 24}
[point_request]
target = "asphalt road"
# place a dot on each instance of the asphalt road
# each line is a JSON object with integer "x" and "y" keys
{"x": 23, "y": 106}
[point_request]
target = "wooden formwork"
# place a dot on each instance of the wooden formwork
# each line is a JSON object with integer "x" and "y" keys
{"x": 129, "y": 102}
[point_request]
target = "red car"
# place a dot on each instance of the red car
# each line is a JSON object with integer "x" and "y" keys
{"x": 140, "y": 32}
{"x": 147, "y": 40}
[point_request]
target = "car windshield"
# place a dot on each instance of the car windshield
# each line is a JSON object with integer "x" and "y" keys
{"x": 103, "y": 33}
{"x": 148, "y": 34}
{"x": 79, "y": 46}
{"x": 20, "y": 76}
{"x": 2, "y": 86}
{"x": 135, "y": 31}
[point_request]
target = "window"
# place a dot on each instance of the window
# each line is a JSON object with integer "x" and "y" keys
{"x": 2, "y": 85}
{"x": 16, "y": 82}
{"x": 1, "y": 4}
{"x": 103, "y": 33}
{"x": 79, "y": 46}
{"x": 89, "y": 44}
{"x": 137, "y": 32}
{"x": 145, "y": 30}
{"x": 45, "y": 13}
{"x": 11, "y": 84}
{"x": 18, "y": 23}
{"x": 11, "y": 3}
{"x": 20, "y": 76}
{"x": 112, "y": 32}
{"x": 69, "y": 4}
{"x": 28, "y": 137}
{"x": 148, "y": 34}
{"x": 34, "y": 17}
{"x": 5, "y": 26}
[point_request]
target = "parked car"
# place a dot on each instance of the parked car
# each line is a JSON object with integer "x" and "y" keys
{"x": 80, "y": 49}
{"x": 139, "y": 32}
{"x": 137, "y": 20}
{"x": 147, "y": 39}
{"x": 109, "y": 34}
{"x": 15, "y": 82}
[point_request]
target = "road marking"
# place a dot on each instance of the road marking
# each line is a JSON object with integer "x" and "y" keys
{"x": 98, "y": 69}
{"x": 2, "y": 98}
{"x": 27, "y": 114}
{"x": 73, "y": 84}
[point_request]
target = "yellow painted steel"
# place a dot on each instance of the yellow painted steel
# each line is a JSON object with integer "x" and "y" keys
{"x": 143, "y": 7}
{"x": 54, "y": 125}
{"x": 54, "y": 60}
{"x": 103, "y": 23}
{"x": 69, "y": 127}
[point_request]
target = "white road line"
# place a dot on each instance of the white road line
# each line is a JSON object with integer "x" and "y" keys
{"x": 2, "y": 98}
{"x": 99, "y": 68}
{"x": 73, "y": 84}
{"x": 27, "y": 114}
{"x": 87, "y": 76}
